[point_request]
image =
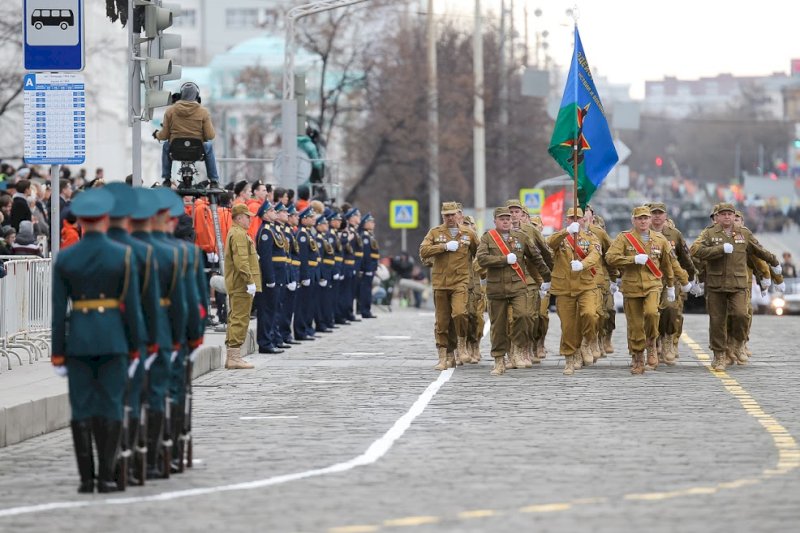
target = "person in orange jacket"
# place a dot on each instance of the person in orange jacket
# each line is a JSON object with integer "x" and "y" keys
{"x": 70, "y": 231}
{"x": 260, "y": 193}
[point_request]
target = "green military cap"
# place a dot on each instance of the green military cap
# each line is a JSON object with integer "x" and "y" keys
{"x": 145, "y": 206}
{"x": 124, "y": 199}
{"x": 571, "y": 212}
{"x": 502, "y": 212}
{"x": 657, "y": 206}
{"x": 641, "y": 211}
{"x": 725, "y": 206}
{"x": 514, "y": 203}
{"x": 449, "y": 208}
{"x": 240, "y": 209}
{"x": 714, "y": 210}
{"x": 92, "y": 203}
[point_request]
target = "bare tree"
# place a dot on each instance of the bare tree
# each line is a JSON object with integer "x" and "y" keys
{"x": 10, "y": 56}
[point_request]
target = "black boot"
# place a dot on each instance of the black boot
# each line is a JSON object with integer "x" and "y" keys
{"x": 176, "y": 417}
{"x": 155, "y": 427}
{"x": 82, "y": 439}
{"x": 106, "y": 436}
{"x": 133, "y": 442}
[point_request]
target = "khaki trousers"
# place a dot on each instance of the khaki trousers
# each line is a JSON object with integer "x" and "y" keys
{"x": 727, "y": 317}
{"x": 451, "y": 311}
{"x": 238, "y": 319}
{"x": 578, "y": 315}
{"x": 476, "y": 305}
{"x": 642, "y": 316}
{"x": 498, "y": 316}
{"x": 543, "y": 320}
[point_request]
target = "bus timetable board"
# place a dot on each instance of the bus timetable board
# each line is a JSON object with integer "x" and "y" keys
{"x": 55, "y": 119}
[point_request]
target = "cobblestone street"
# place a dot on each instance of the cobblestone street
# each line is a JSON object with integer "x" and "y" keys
{"x": 680, "y": 449}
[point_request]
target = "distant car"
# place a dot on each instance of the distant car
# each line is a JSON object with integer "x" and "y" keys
{"x": 788, "y": 302}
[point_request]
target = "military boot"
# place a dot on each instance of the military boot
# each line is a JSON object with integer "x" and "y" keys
{"x": 740, "y": 353}
{"x": 541, "y": 353}
{"x": 607, "y": 346}
{"x": 569, "y": 365}
{"x": 464, "y": 357}
{"x": 518, "y": 354}
{"x": 747, "y": 350}
{"x": 155, "y": 428}
{"x": 106, "y": 437}
{"x": 675, "y": 342}
{"x": 176, "y": 419}
{"x": 451, "y": 359}
{"x": 668, "y": 349}
{"x": 586, "y": 353}
{"x": 234, "y": 361}
{"x": 720, "y": 361}
{"x": 499, "y": 367}
{"x": 476, "y": 352}
{"x": 508, "y": 362}
{"x": 532, "y": 354}
{"x": 730, "y": 358}
{"x": 594, "y": 349}
{"x": 637, "y": 368}
{"x": 442, "y": 359}
{"x": 82, "y": 439}
{"x": 652, "y": 355}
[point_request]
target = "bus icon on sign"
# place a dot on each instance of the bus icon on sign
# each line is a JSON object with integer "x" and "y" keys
{"x": 63, "y": 18}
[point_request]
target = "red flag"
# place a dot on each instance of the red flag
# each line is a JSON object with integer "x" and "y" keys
{"x": 553, "y": 210}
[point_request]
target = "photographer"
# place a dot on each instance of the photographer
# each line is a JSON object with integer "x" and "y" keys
{"x": 187, "y": 119}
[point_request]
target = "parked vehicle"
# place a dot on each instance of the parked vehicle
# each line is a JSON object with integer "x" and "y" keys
{"x": 787, "y": 302}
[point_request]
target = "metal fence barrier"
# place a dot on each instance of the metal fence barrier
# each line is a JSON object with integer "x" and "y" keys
{"x": 25, "y": 309}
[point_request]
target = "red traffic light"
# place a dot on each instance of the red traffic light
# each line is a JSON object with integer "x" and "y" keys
{"x": 659, "y": 161}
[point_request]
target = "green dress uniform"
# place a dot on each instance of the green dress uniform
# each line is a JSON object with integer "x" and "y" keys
{"x": 96, "y": 337}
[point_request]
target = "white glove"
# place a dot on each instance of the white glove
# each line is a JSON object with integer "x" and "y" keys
{"x": 132, "y": 368}
{"x": 727, "y": 248}
{"x": 576, "y": 265}
{"x": 336, "y": 277}
{"x": 270, "y": 285}
{"x": 305, "y": 282}
{"x": 764, "y": 293}
{"x": 451, "y": 246}
{"x": 641, "y": 259}
{"x": 670, "y": 294}
{"x": 212, "y": 257}
{"x": 323, "y": 282}
{"x": 292, "y": 285}
{"x": 149, "y": 361}
{"x": 173, "y": 356}
{"x": 766, "y": 284}
{"x": 687, "y": 287}
{"x": 612, "y": 287}
{"x": 483, "y": 283}
{"x": 545, "y": 286}
{"x": 61, "y": 371}
{"x": 777, "y": 270}
{"x": 511, "y": 258}
{"x": 195, "y": 353}
{"x": 251, "y": 289}
{"x": 781, "y": 286}
{"x": 573, "y": 228}
{"x": 701, "y": 289}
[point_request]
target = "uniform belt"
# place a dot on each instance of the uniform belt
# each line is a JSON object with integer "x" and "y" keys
{"x": 165, "y": 302}
{"x": 375, "y": 256}
{"x": 313, "y": 263}
{"x": 295, "y": 262}
{"x": 99, "y": 305}
{"x": 338, "y": 259}
{"x": 328, "y": 262}
{"x": 280, "y": 259}
{"x": 349, "y": 261}
{"x": 359, "y": 254}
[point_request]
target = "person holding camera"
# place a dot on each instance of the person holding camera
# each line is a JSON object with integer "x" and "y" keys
{"x": 186, "y": 118}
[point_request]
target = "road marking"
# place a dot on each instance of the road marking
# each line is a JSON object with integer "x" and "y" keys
{"x": 354, "y": 529}
{"x": 362, "y": 353}
{"x": 393, "y": 337}
{"x": 479, "y": 513}
{"x": 411, "y": 521}
{"x": 546, "y": 508}
{"x": 376, "y": 450}
{"x": 275, "y": 417}
{"x": 486, "y": 328}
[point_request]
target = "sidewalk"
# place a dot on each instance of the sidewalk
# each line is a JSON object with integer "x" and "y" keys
{"x": 34, "y": 401}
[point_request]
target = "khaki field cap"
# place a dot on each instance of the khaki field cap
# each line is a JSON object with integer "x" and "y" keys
{"x": 513, "y": 203}
{"x": 240, "y": 209}
{"x": 657, "y": 206}
{"x": 725, "y": 207}
{"x": 501, "y": 212}
{"x": 469, "y": 219}
{"x": 571, "y": 212}
{"x": 641, "y": 211}
{"x": 449, "y": 208}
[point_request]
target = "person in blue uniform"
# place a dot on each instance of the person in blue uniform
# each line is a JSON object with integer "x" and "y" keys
{"x": 337, "y": 278}
{"x": 353, "y": 218}
{"x": 280, "y": 267}
{"x": 309, "y": 259}
{"x": 346, "y": 275}
{"x": 266, "y": 300}
{"x": 126, "y": 205}
{"x": 369, "y": 264}
{"x": 289, "y": 297}
{"x": 96, "y": 320}
{"x": 324, "y": 287}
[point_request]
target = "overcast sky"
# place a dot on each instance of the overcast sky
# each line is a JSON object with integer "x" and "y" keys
{"x": 636, "y": 40}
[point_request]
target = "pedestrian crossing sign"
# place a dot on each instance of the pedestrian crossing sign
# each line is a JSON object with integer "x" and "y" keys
{"x": 403, "y": 214}
{"x": 533, "y": 199}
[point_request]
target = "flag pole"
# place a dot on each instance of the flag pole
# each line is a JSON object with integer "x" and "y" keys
{"x": 576, "y": 140}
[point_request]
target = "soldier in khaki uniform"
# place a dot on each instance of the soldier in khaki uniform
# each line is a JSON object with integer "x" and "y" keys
{"x": 242, "y": 281}
{"x": 643, "y": 256}
{"x": 476, "y": 305}
{"x": 725, "y": 248}
{"x": 598, "y": 347}
{"x": 543, "y": 318}
{"x": 575, "y": 287}
{"x": 609, "y": 321}
{"x": 509, "y": 257}
{"x": 450, "y": 248}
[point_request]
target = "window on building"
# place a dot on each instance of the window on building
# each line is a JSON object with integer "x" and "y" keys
{"x": 239, "y": 18}
{"x": 187, "y": 19}
{"x": 186, "y": 56}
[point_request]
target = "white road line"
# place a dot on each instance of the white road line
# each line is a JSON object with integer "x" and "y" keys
{"x": 393, "y": 337}
{"x": 377, "y": 449}
{"x": 486, "y": 327}
{"x": 275, "y": 417}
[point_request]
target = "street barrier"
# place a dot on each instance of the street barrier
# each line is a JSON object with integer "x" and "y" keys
{"x": 25, "y": 309}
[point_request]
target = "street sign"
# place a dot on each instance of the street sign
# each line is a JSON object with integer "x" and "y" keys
{"x": 403, "y": 214}
{"x": 55, "y": 119}
{"x": 53, "y": 35}
{"x": 533, "y": 199}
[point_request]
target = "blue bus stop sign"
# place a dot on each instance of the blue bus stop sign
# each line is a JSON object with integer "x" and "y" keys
{"x": 53, "y": 35}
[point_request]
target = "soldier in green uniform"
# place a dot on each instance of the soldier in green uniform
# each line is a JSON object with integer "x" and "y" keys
{"x": 725, "y": 249}
{"x": 96, "y": 335}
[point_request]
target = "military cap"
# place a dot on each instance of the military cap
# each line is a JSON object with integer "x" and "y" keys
{"x": 352, "y": 212}
{"x": 321, "y": 219}
{"x": 536, "y": 220}
{"x": 93, "y": 203}
{"x": 468, "y": 219}
{"x": 164, "y": 197}
{"x": 334, "y": 215}
{"x": 657, "y": 206}
{"x": 124, "y": 199}
{"x": 307, "y": 212}
{"x": 739, "y": 214}
{"x": 641, "y": 211}
{"x": 714, "y": 210}
{"x": 280, "y": 207}
{"x": 449, "y": 208}
{"x": 502, "y": 212}
{"x": 146, "y": 206}
{"x": 460, "y": 206}
{"x": 725, "y": 206}
{"x": 367, "y": 218}
{"x": 571, "y": 212}
{"x": 266, "y": 206}
{"x": 514, "y": 203}
{"x": 176, "y": 207}
{"x": 291, "y": 209}
{"x": 240, "y": 209}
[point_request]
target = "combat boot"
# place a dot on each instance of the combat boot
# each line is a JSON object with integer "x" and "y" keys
{"x": 508, "y": 362}
{"x": 234, "y": 361}
{"x": 82, "y": 440}
{"x": 637, "y": 368}
{"x": 541, "y": 353}
{"x": 532, "y": 355}
{"x": 740, "y": 353}
{"x": 730, "y": 358}
{"x": 668, "y": 349}
{"x": 476, "y": 352}
{"x": 176, "y": 420}
{"x": 569, "y": 365}
{"x": 586, "y": 353}
{"x": 499, "y": 367}
{"x": 106, "y": 437}
{"x": 464, "y": 357}
{"x": 451, "y": 359}
{"x": 747, "y": 350}
{"x": 652, "y": 355}
{"x": 607, "y": 346}
{"x": 518, "y": 354}
{"x": 155, "y": 428}
{"x": 442, "y": 359}
{"x": 720, "y": 361}
{"x": 595, "y": 350}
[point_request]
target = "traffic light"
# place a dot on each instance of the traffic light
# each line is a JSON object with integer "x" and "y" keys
{"x": 659, "y": 161}
{"x": 158, "y": 69}
{"x": 300, "y": 97}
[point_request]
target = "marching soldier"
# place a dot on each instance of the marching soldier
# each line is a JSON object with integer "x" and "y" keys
{"x": 577, "y": 267}
{"x": 643, "y": 256}
{"x": 267, "y": 300}
{"x": 543, "y": 320}
{"x": 96, "y": 341}
{"x": 604, "y": 282}
{"x": 476, "y": 305}
{"x": 451, "y": 249}
{"x": 509, "y": 257}
{"x": 606, "y": 328}
{"x": 369, "y": 265}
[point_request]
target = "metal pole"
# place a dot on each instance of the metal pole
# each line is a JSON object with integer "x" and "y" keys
{"x": 503, "y": 100}
{"x": 433, "y": 123}
{"x": 134, "y": 99}
{"x": 55, "y": 211}
{"x": 479, "y": 132}
{"x": 403, "y": 240}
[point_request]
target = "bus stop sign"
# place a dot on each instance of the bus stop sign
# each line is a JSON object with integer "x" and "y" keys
{"x": 53, "y": 35}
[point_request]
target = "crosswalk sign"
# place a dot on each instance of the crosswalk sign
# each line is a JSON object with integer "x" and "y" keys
{"x": 403, "y": 214}
{"x": 533, "y": 199}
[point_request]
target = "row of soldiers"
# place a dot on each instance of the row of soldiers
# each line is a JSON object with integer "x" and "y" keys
{"x": 513, "y": 270}
{"x": 303, "y": 273}
{"x": 129, "y": 307}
